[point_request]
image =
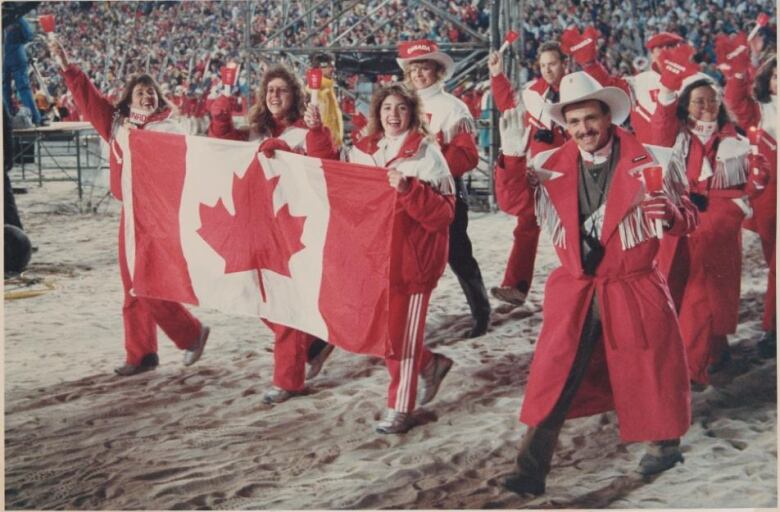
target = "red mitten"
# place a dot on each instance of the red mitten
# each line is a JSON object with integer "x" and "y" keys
{"x": 582, "y": 47}
{"x": 268, "y": 146}
{"x": 733, "y": 53}
{"x": 676, "y": 66}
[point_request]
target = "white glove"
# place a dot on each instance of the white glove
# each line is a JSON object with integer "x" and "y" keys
{"x": 512, "y": 130}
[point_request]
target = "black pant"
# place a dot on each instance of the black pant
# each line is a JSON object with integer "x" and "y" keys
{"x": 462, "y": 260}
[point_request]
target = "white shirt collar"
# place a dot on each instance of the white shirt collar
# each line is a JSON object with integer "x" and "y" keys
{"x": 600, "y": 155}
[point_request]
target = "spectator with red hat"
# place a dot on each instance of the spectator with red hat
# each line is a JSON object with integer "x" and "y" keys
{"x": 541, "y": 134}
{"x": 426, "y": 68}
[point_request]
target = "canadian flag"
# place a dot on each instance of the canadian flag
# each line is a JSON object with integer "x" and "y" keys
{"x": 296, "y": 240}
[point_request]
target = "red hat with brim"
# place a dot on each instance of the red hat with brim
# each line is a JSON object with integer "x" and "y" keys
{"x": 663, "y": 39}
{"x": 423, "y": 49}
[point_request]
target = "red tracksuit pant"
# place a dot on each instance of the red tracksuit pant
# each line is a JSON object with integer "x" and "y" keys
{"x": 141, "y": 316}
{"x": 407, "y": 333}
{"x": 290, "y": 349}
{"x": 520, "y": 267}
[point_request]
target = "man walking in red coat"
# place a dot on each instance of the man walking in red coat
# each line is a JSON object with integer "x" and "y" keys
{"x": 610, "y": 337}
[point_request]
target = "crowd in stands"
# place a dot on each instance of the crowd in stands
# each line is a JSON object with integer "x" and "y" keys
{"x": 184, "y": 44}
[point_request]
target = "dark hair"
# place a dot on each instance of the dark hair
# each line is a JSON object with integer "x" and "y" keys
{"x": 551, "y": 46}
{"x": 763, "y": 77}
{"x": 123, "y": 105}
{"x": 408, "y": 95}
{"x": 685, "y": 99}
{"x": 259, "y": 117}
{"x": 604, "y": 107}
{"x": 318, "y": 59}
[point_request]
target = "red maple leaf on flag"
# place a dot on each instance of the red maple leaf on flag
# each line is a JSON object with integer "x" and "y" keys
{"x": 255, "y": 237}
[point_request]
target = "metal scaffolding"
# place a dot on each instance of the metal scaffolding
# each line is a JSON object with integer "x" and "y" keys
{"x": 470, "y": 56}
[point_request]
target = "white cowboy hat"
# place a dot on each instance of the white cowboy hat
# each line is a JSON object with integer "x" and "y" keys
{"x": 580, "y": 86}
{"x": 423, "y": 49}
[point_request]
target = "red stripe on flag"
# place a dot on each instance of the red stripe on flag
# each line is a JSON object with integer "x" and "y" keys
{"x": 158, "y": 180}
{"x": 356, "y": 262}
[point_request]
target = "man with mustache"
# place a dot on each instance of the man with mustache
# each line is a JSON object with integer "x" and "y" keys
{"x": 610, "y": 337}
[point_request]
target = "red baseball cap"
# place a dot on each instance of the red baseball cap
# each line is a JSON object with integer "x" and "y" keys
{"x": 663, "y": 39}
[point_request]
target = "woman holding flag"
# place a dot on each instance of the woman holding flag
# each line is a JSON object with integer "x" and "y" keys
{"x": 704, "y": 268}
{"x": 398, "y": 139}
{"x": 141, "y": 106}
{"x": 279, "y": 120}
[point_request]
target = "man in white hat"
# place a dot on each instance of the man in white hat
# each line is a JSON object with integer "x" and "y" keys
{"x": 610, "y": 337}
{"x": 426, "y": 68}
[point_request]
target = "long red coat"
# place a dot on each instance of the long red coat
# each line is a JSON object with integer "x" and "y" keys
{"x": 640, "y": 369}
{"x": 704, "y": 269}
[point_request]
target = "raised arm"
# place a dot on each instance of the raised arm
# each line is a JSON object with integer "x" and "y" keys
{"x": 93, "y": 106}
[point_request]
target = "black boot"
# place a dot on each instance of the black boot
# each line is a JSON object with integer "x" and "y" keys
{"x": 767, "y": 346}
{"x": 477, "y": 298}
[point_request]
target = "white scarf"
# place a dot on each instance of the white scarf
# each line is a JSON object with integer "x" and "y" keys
{"x": 704, "y": 130}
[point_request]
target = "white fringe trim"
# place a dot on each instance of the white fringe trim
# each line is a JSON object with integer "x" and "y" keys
{"x": 547, "y": 217}
{"x": 635, "y": 228}
{"x": 464, "y": 125}
{"x": 730, "y": 172}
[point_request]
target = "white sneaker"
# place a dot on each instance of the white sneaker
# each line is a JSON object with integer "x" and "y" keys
{"x": 431, "y": 377}
{"x": 394, "y": 422}
{"x": 278, "y": 395}
{"x": 192, "y": 355}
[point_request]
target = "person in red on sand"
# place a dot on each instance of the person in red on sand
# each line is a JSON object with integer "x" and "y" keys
{"x": 279, "y": 120}
{"x": 425, "y": 70}
{"x": 541, "y": 135}
{"x": 704, "y": 269}
{"x": 141, "y": 107}
{"x": 759, "y": 110}
{"x": 610, "y": 338}
{"x": 397, "y": 138}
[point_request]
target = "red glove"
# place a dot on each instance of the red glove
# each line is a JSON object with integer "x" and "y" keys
{"x": 660, "y": 207}
{"x": 268, "y": 146}
{"x": 582, "y": 47}
{"x": 758, "y": 178}
{"x": 221, "y": 107}
{"x": 676, "y": 66}
{"x": 733, "y": 53}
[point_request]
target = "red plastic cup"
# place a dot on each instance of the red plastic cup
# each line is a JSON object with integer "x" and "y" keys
{"x": 228, "y": 73}
{"x": 511, "y": 36}
{"x": 314, "y": 78}
{"x": 753, "y": 135}
{"x": 46, "y": 22}
{"x": 654, "y": 178}
{"x": 762, "y": 19}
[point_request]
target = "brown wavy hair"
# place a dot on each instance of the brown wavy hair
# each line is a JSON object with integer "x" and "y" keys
{"x": 763, "y": 77}
{"x": 123, "y": 105}
{"x": 410, "y": 98}
{"x": 259, "y": 117}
